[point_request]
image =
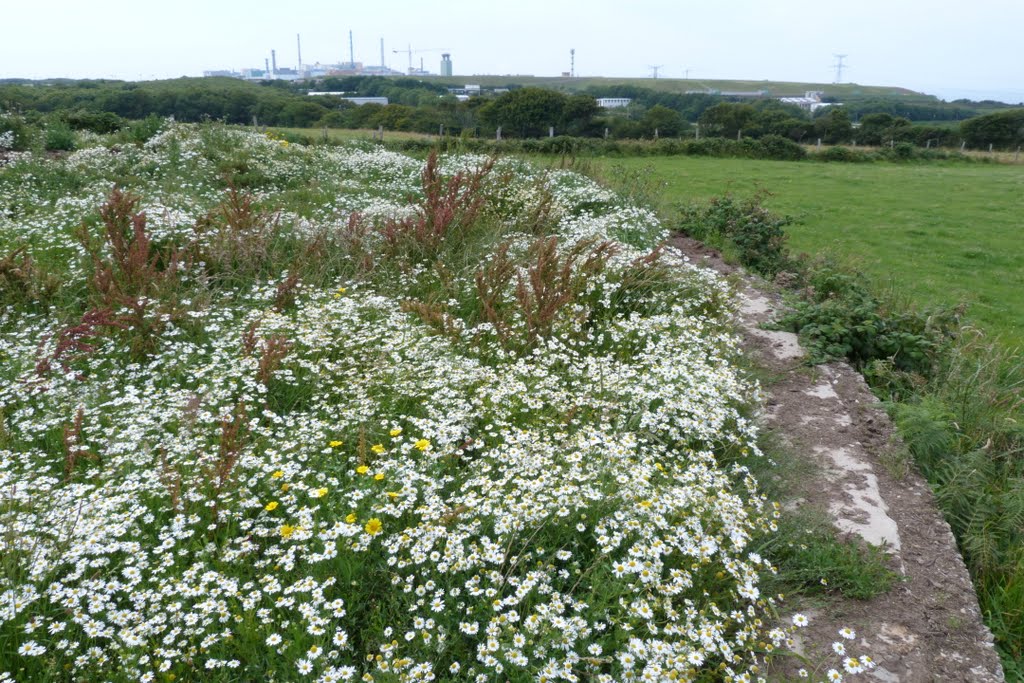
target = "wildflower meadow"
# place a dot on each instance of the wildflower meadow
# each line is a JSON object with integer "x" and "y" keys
{"x": 287, "y": 413}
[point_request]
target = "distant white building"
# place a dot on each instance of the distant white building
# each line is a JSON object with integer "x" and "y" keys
{"x": 613, "y": 102}
{"x": 811, "y": 101}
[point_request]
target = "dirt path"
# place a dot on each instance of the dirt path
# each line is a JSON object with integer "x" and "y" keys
{"x": 927, "y": 628}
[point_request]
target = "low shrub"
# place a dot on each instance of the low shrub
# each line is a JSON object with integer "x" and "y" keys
{"x": 58, "y": 137}
{"x": 757, "y": 234}
{"x": 840, "y": 317}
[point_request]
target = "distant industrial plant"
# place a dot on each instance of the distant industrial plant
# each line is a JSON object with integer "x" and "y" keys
{"x": 271, "y": 71}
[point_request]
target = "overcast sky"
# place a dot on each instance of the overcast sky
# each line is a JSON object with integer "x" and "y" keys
{"x": 950, "y": 48}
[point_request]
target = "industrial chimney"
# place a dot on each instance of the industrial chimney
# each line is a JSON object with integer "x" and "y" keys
{"x": 273, "y": 61}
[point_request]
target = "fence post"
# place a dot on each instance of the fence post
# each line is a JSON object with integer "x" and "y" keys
{"x": 380, "y": 132}
{"x": 1016, "y": 155}
{"x": 990, "y": 148}
{"x": 655, "y": 133}
{"x": 819, "y": 143}
{"x": 605, "y": 133}
{"x": 963, "y": 143}
{"x": 698, "y": 131}
{"x": 551, "y": 131}
{"x": 498, "y": 134}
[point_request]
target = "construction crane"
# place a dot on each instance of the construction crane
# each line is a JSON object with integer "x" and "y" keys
{"x": 409, "y": 51}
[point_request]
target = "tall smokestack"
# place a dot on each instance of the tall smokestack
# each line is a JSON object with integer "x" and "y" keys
{"x": 298, "y": 43}
{"x": 382, "y": 64}
{"x": 273, "y": 61}
{"x": 266, "y": 64}
{"x": 351, "y": 52}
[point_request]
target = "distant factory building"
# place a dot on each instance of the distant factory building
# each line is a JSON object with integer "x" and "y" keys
{"x": 446, "y": 64}
{"x": 613, "y": 102}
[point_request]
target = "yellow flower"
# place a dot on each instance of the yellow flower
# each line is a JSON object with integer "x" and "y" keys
{"x": 271, "y": 506}
{"x": 377, "y": 448}
{"x": 396, "y": 431}
{"x": 393, "y": 494}
{"x": 645, "y": 503}
{"x": 285, "y": 486}
{"x": 422, "y": 444}
{"x": 373, "y": 527}
{"x": 278, "y": 474}
{"x": 335, "y": 444}
{"x": 379, "y": 476}
{"x": 341, "y": 290}
{"x": 350, "y": 518}
{"x": 362, "y": 469}
{"x": 318, "y": 493}
{"x": 287, "y": 530}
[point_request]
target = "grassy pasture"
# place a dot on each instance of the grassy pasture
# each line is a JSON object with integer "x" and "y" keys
{"x": 936, "y": 233}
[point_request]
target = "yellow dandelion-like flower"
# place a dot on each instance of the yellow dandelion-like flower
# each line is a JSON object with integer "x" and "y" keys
{"x": 271, "y": 506}
{"x": 377, "y": 448}
{"x": 278, "y": 474}
{"x": 379, "y": 476}
{"x": 396, "y": 431}
{"x": 350, "y": 518}
{"x": 287, "y": 530}
{"x": 645, "y": 503}
{"x": 373, "y": 527}
{"x": 318, "y": 493}
{"x": 422, "y": 444}
{"x": 362, "y": 469}
{"x": 285, "y": 487}
{"x": 335, "y": 444}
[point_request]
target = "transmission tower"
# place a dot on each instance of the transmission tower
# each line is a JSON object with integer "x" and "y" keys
{"x": 572, "y": 63}
{"x": 839, "y": 67}
{"x": 654, "y": 69}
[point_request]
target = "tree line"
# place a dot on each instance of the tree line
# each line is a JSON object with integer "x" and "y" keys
{"x": 520, "y": 112}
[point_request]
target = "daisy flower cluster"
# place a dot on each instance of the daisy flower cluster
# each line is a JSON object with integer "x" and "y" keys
{"x": 331, "y": 489}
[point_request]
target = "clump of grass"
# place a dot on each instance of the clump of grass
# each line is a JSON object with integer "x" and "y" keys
{"x": 813, "y": 559}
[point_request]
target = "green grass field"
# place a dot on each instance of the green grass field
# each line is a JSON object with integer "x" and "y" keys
{"x": 936, "y": 233}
